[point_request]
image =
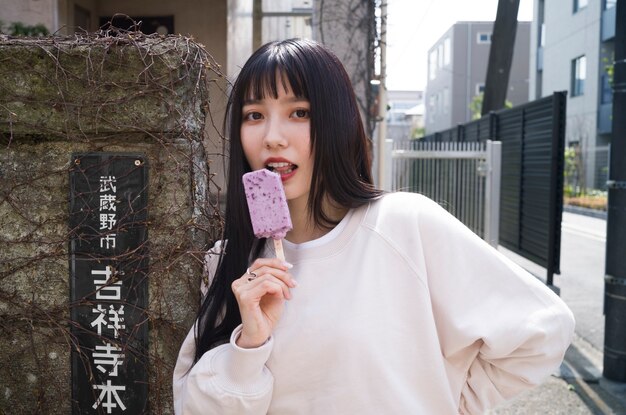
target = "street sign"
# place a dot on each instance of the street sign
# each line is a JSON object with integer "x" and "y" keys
{"x": 109, "y": 290}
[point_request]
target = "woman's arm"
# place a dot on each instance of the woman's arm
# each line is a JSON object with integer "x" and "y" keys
{"x": 232, "y": 378}
{"x": 226, "y": 380}
{"x": 500, "y": 328}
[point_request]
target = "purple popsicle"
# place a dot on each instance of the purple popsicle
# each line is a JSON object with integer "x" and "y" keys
{"x": 268, "y": 208}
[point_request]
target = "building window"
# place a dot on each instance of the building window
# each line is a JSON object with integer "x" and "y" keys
{"x": 439, "y": 101}
{"x": 480, "y": 88}
{"x": 483, "y": 38}
{"x": 446, "y": 51}
{"x": 432, "y": 64}
{"x": 579, "y": 74}
{"x": 609, "y": 4}
{"x": 440, "y": 56}
{"x": 446, "y": 100}
{"x": 607, "y": 90}
{"x": 579, "y": 5}
{"x": 432, "y": 106}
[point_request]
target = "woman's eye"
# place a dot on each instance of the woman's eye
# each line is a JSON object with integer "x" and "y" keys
{"x": 253, "y": 116}
{"x": 301, "y": 113}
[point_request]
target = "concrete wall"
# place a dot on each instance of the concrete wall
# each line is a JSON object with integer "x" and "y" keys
{"x": 534, "y": 84}
{"x": 56, "y": 98}
{"x": 568, "y": 36}
{"x": 239, "y": 26}
{"x": 30, "y": 12}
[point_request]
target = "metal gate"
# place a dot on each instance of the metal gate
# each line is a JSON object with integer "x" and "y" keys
{"x": 464, "y": 178}
{"x": 531, "y": 202}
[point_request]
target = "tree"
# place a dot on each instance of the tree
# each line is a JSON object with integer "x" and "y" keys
{"x": 417, "y": 133}
{"x": 500, "y": 56}
{"x": 21, "y": 29}
{"x": 476, "y": 105}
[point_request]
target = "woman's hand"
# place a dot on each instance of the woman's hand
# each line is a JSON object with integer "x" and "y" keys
{"x": 261, "y": 299}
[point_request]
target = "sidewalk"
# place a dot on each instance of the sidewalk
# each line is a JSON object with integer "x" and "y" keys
{"x": 579, "y": 387}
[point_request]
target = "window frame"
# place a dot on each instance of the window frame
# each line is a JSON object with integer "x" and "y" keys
{"x": 483, "y": 42}
{"x": 578, "y": 76}
{"x": 578, "y": 6}
{"x": 432, "y": 64}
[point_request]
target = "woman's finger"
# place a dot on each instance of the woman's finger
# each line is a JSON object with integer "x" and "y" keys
{"x": 270, "y": 262}
{"x": 264, "y": 284}
{"x": 285, "y": 276}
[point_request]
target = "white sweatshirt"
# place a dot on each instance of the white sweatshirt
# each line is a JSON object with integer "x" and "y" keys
{"x": 402, "y": 311}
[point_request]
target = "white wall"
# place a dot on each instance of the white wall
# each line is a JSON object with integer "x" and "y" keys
{"x": 29, "y": 12}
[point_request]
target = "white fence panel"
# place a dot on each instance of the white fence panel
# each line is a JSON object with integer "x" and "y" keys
{"x": 462, "y": 177}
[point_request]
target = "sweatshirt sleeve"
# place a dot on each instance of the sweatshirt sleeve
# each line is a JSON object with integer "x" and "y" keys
{"x": 227, "y": 379}
{"x": 501, "y": 330}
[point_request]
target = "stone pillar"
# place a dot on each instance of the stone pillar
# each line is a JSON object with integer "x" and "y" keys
{"x": 131, "y": 94}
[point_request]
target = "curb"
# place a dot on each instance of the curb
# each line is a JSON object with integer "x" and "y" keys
{"x": 582, "y": 367}
{"x": 594, "y": 213}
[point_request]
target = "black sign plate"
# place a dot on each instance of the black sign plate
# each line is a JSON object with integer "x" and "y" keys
{"x": 109, "y": 289}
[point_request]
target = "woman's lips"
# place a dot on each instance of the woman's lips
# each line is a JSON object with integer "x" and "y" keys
{"x": 284, "y": 168}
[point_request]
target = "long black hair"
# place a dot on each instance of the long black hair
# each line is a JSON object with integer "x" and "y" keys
{"x": 341, "y": 167}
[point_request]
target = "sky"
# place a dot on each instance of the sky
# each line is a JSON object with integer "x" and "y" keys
{"x": 413, "y": 26}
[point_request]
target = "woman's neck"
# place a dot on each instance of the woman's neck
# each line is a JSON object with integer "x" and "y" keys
{"x": 304, "y": 229}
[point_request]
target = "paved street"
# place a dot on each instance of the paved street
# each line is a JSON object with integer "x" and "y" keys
{"x": 581, "y": 281}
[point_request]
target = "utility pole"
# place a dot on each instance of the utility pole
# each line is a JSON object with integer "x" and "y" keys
{"x": 257, "y": 24}
{"x": 500, "y": 56}
{"x": 615, "y": 278}
{"x": 382, "y": 97}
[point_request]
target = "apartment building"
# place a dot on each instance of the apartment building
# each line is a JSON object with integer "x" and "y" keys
{"x": 457, "y": 68}
{"x": 405, "y": 117}
{"x": 572, "y": 50}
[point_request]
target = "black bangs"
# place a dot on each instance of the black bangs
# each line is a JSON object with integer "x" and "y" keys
{"x": 260, "y": 80}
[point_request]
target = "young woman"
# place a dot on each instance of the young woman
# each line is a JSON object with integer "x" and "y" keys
{"x": 387, "y": 304}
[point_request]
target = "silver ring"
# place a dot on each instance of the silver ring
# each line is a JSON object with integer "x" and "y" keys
{"x": 252, "y": 275}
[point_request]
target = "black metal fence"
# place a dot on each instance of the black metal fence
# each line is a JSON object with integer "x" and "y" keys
{"x": 531, "y": 198}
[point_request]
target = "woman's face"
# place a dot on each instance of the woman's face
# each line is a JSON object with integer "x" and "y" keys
{"x": 275, "y": 134}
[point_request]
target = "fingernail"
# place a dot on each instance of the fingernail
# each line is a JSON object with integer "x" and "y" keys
{"x": 287, "y": 264}
{"x": 294, "y": 282}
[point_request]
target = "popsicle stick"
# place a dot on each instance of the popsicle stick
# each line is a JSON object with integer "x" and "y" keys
{"x": 278, "y": 247}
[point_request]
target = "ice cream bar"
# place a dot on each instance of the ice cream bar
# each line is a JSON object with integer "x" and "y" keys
{"x": 268, "y": 208}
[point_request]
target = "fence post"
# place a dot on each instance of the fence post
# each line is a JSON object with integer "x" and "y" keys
{"x": 493, "y": 127}
{"x": 492, "y": 194}
{"x": 388, "y": 174}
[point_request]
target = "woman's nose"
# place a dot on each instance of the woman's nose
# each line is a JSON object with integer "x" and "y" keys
{"x": 274, "y": 135}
